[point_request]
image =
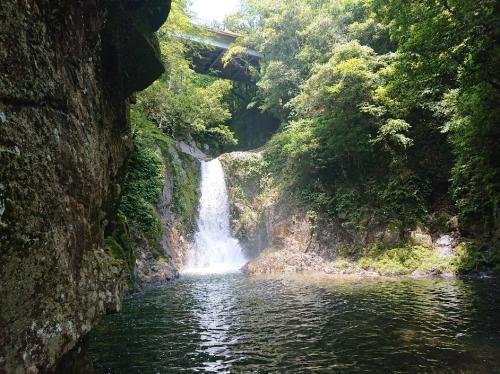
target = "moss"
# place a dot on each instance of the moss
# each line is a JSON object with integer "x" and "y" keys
{"x": 116, "y": 252}
{"x": 250, "y": 172}
{"x": 441, "y": 221}
{"x": 342, "y": 264}
{"x": 434, "y": 263}
{"x": 154, "y": 159}
{"x": 186, "y": 174}
{"x": 142, "y": 189}
{"x": 114, "y": 249}
{"x": 467, "y": 258}
{"x": 406, "y": 260}
{"x": 145, "y": 179}
{"x": 122, "y": 236}
{"x": 123, "y": 256}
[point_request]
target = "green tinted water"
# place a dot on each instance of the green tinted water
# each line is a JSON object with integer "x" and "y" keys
{"x": 231, "y": 323}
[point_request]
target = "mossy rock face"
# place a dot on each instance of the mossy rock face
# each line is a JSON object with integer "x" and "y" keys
{"x": 407, "y": 260}
{"x": 186, "y": 180}
{"x": 250, "y": 193}
{"x": 64, "y": 141}
{"x": 159, "y": 204}
{"x": 123, "y": 259}
{"x": 419, "y": 237}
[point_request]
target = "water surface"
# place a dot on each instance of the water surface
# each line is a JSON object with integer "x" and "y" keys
{"x": 235, "y": 324}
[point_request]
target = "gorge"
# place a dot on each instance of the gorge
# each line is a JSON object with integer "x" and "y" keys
{"x": 318, "y": 193}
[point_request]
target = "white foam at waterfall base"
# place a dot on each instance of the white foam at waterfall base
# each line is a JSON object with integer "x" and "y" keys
{"x": 215, "y": 250}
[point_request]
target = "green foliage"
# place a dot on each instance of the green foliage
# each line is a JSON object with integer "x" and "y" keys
{"x": 153, "y": 160}
{"x": 406, "y": 260}
{"x": 470, "y": 257}
{"x": 389, "y": 110}
{"x": 186, "y": 174}
{"x": 250, "y": 167}
{"x": 184, "y": 104}
{"x": 192, "y": 110}
{"x": 386, "y": 106}
{"x": 392, "y": 133}
{"x": 251, "y": 173}
{"x": 142, "y": 189}
{"x": 448, "y": 63}
{"x": 473, "y": 130}
{"x": 278, "y": 85}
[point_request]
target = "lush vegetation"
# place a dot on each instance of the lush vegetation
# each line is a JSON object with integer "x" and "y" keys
{"x": 154, "y": 160}
{"x": 388, "y": 110}
{"x": 387, "y": 107}
{"x": 181, "y": 106}
{"x": 184, "y": 104}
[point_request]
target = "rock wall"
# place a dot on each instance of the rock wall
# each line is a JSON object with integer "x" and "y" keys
{"x": 177, "y": 210}
{"x": 67, "y": 69}
{"x": 251, "y": 200}
{"x": 280, "y": 235}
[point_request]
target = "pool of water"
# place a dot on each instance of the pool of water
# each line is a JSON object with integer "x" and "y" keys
{"x": 235, "y": 324}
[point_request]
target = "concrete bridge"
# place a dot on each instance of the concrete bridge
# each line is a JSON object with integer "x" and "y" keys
{"x": 207, "y": 52}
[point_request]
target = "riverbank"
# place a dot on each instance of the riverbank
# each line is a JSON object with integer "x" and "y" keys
{"x": 281, "y": 233}
{"x": 406, "y": 261}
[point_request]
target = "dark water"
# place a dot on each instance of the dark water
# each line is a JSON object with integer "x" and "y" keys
{"x": 234, "y": 324}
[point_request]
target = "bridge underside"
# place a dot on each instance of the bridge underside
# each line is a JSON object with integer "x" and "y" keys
{"x": 207, "y": 53}
{"x": 209, "y": 61}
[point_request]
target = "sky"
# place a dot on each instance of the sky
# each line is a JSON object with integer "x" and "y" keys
{"x": 213, "y": 10}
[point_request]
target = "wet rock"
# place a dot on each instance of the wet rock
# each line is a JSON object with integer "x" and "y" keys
{"x": 446, "y": 245}
{"x": 419, "y": 237}
{"x": 67, "y": 68}
{"x": 273, "y": 261}
{"x": 452, "y": 223}
{"x": 152, "y": 271}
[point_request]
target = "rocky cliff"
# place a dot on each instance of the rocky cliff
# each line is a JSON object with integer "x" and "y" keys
{"x": 281, "y": 235}
{"x": 67, "y": 69}
{"x": 159, "y": 258}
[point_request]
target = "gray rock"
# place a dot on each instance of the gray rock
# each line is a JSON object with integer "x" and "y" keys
{"x": 67, "y": 68}
{"x": 446, "y": 244}
{"x": 420, "y": 237}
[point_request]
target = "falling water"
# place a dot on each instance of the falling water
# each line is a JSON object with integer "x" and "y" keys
{"x": 215, "y": 250}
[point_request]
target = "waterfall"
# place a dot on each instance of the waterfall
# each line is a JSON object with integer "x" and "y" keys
{"x": 215, "y": 250}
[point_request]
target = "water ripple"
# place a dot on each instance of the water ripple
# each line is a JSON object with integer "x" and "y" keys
{"x": 234, "y": 324}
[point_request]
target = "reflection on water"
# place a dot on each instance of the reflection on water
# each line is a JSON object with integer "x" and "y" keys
{"x": 234, "y": 324}
{"x": 214, "y": 303}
